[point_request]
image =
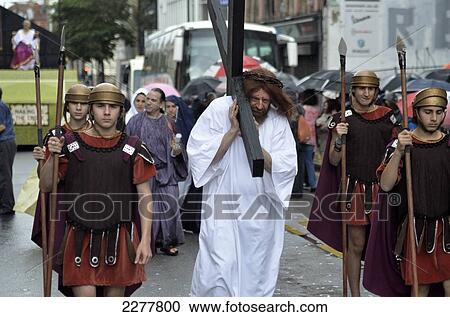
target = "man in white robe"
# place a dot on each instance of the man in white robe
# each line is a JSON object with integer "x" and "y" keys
{"x": 242, "y": 228}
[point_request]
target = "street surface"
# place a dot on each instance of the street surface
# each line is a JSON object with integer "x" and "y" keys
{"x": 307, "y": 268}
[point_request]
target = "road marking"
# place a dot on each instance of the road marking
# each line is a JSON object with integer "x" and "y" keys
{"x": 317, "y": 243}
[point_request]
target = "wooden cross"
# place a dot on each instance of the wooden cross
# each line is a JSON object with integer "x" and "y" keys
{"x": 231, "y": 47}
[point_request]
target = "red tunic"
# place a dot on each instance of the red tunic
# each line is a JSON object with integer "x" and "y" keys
{"x": 124, "y": 272}
{"x": 431, "y": 267}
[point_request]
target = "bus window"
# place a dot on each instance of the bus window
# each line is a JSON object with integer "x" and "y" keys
{"x": 262, "y": 45}
{"x": 201, "y": 53}
{"x": 250, "y": 48}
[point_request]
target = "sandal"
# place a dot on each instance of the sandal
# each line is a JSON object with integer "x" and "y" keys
{"x": 171, "y": 251}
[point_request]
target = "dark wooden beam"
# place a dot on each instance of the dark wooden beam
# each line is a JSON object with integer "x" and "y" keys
{"x": 235, "y": 50}
{"x": 220, "y": 31}
{"x": 249, "y": 133}
{"x": 231, "y": 47}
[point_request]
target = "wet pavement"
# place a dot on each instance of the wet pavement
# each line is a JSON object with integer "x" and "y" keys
{"x": 305, "y": 270}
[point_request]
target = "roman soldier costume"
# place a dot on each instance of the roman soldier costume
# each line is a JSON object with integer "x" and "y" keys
{"x": 78, "y": 93}
{"x": 430, "y": 168}
{"x": 100, "y": 204}
{"x": 368, "y": 134}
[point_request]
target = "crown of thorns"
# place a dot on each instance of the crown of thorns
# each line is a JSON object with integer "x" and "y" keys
{"x": 263, "y": 78}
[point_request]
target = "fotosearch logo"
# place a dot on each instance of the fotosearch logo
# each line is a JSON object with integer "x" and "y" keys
{"x": 219, "y": 206}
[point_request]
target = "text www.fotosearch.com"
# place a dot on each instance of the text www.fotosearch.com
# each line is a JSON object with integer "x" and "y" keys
{"x": 240, "y": 307}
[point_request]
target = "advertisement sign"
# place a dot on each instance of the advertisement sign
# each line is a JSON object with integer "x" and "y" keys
{"x": 362, "y": 27}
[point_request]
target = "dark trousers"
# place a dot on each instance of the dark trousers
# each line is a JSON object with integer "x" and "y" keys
{"x": 191, "y": 209}
{"x": 7, "y": 153}
{"x": 298, "y": 183}
{"x": 310, "y": 172}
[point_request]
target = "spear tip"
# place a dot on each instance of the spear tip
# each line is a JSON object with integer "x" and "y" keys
{"x": 342, "y": 47}
{"x": 37, "y": 59}
{"x": 400, "y": 45}
{"x": 63, "y": 38}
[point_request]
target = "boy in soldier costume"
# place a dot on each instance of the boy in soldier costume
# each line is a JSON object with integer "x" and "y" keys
{"x": 368, "y": 129}
{"x": 430, "y": 169}
{"x": 76, "y": 105}
{"x": 105, "y": 173}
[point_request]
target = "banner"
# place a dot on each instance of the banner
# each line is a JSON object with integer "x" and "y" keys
{"x": 26, "y": 114}
{"x": 362, "y": 27}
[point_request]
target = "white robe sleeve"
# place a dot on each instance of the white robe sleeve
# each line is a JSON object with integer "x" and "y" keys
{"x": 205, "y": 140}
{"x": 278, "y": 184}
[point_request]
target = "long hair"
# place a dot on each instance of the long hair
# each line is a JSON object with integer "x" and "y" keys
{"x": 261, "y": 78}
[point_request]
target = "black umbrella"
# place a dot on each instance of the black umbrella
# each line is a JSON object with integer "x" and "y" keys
{"x": 325, "y": 80}
{"x": 438, "y": 74}
{"x": 393, "y": 82}
{"x": 335, "y": 84}
{"x": 288, "y": 80}
{"x": 418, "y": 84}
{"x": 314, "y": 81}
{"x": 200, "y": 86}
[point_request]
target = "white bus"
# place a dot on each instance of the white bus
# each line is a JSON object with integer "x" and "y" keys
{"x": 184, "y": 52}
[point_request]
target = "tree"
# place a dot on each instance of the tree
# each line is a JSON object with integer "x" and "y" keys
{"x": 93, "y": 28}
{"x": 144, "y": 19}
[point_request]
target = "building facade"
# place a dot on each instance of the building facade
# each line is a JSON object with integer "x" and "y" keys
{"x": 32, "y": 11}
{"x": 370, "y": 29}
{"x": 173, "y": 12}
{"x": 301, "y": 19}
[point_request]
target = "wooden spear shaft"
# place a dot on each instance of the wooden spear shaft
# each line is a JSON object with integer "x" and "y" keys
{"x": 53, "y": 199}
{"x": 401, "y": 52}
{"x": 37, "y": 82}
{"x": 342, "y": 53}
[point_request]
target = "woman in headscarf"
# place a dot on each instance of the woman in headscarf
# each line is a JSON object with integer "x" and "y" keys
{"x": 137, "y": 103}
{"x": 178, "y": 110}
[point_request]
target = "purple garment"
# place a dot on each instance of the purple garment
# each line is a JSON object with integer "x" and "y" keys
{"x": 157, "y": 134}
{"x": 36, "y": 235}
{"x": 381, "y": 274}
{"x": 325, "y": 218}
{"x": 384, "y": 278}
{"x": 22, "y": 55}
{"x": 381, "y": 270}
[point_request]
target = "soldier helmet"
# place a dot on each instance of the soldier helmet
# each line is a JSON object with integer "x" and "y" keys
{"x": 78, "y": 94}
{"x": 365, "y": 78}
{"x": 431, "y": 97}
{"x": 106, "y": 93}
